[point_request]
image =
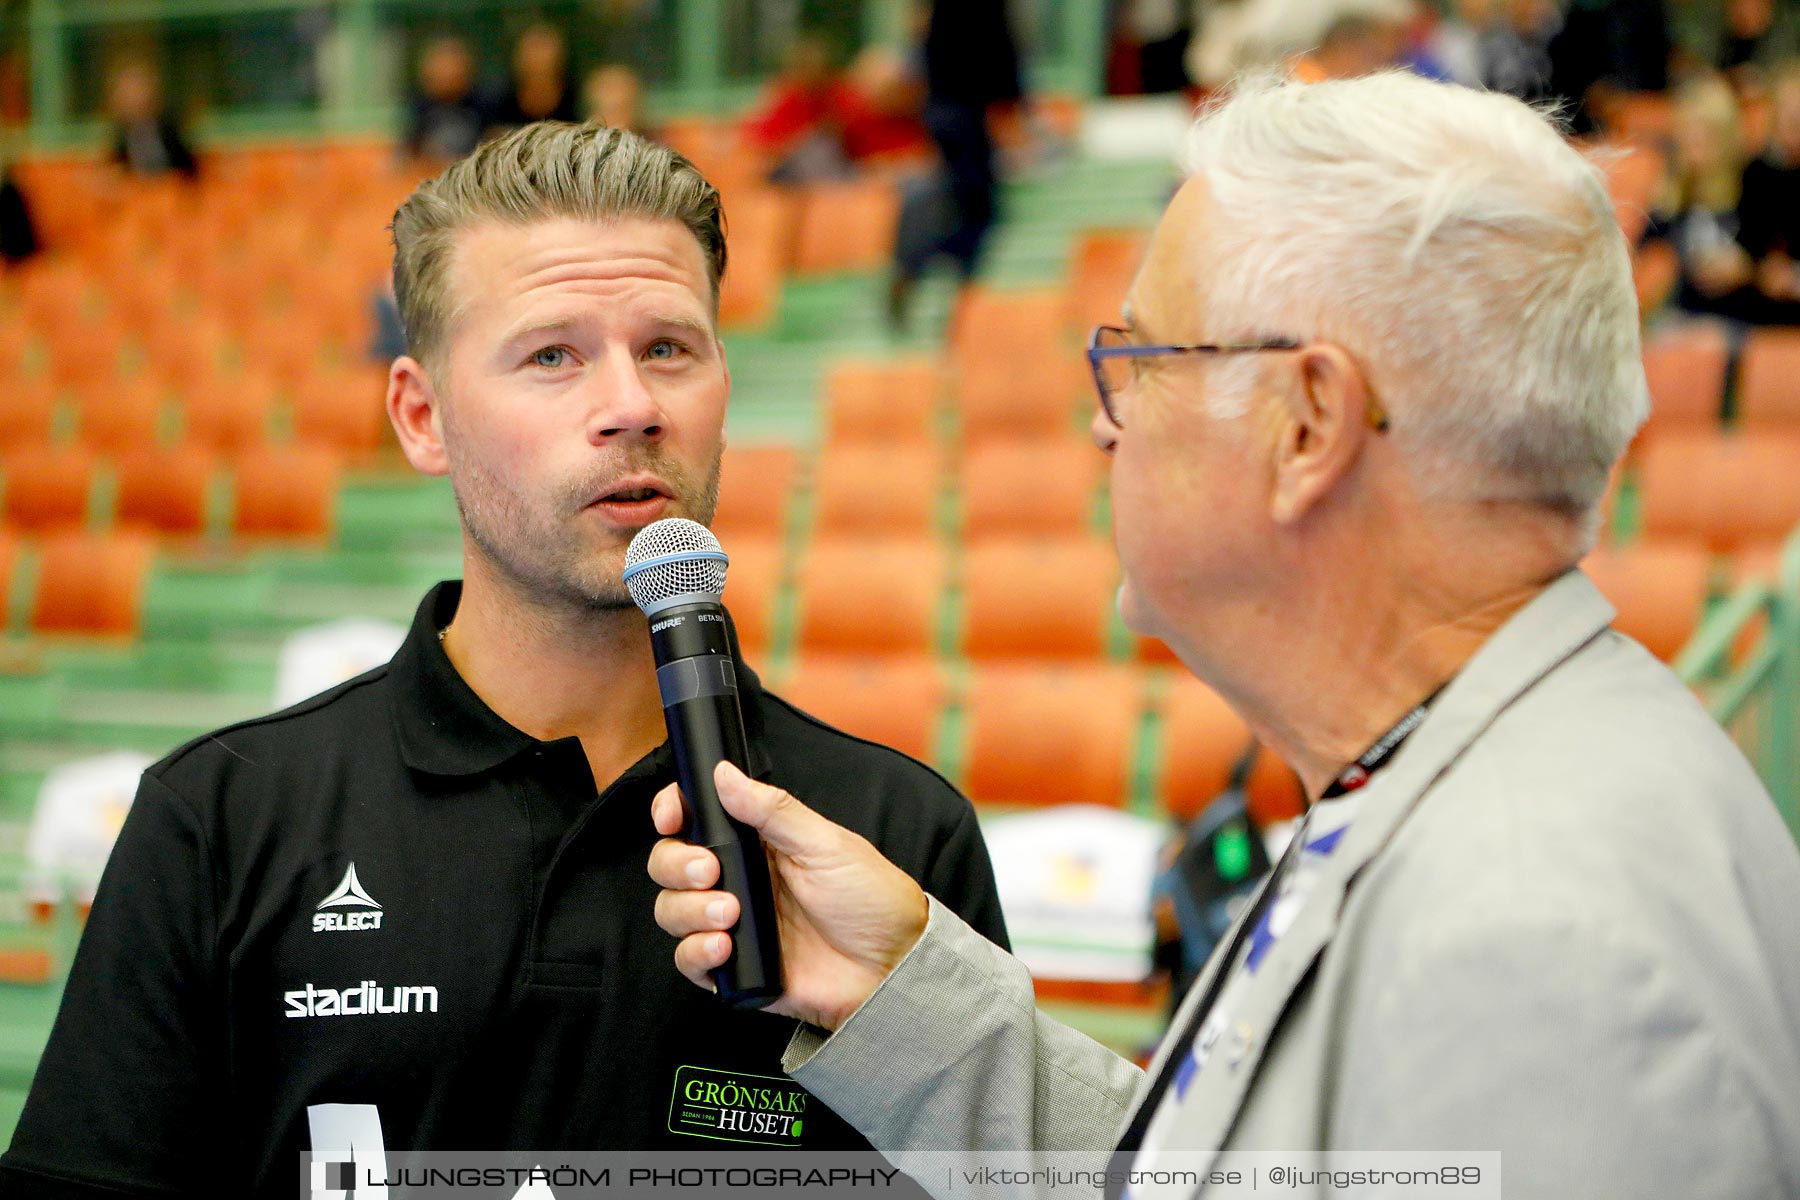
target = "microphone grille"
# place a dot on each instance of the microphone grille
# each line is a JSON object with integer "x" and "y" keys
{"x": 673, "y": 557}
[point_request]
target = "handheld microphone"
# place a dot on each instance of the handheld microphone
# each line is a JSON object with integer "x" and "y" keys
{"x": 675, "y": 572}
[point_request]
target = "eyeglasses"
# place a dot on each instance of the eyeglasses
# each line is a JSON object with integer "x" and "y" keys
{"x": 1114, "y": 360}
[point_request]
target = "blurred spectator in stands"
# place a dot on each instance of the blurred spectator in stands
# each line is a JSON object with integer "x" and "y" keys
{"x": 540, "y": 88}
{"x": 1757, "y": 37}
{"x": 1455, "y": 42}
{"x": 1246, "y": 35}
{"x": 448, "y": 115}
{"x": 1769, "y": 210}
{"x": 146, "y": 139}
{"x": 1358, "y": 43}
{"x": 1515, "y": 50}
{"x": 1697, "y": 211}
{"x": 1158, "y": 33}
{"x": 1604, "y": 48}
{"x": 890, "y": 97}
{"x": 799, "y": 123}
{"x": 1215, "y": 52}
{"x": 971, "y": 64}
{"x": 18, "y": 237}
{"x": 613, "y": 95}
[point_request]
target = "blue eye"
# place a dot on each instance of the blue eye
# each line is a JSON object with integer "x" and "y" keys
{"x": 664, "y": 349}
{"x": 550, "y": 357}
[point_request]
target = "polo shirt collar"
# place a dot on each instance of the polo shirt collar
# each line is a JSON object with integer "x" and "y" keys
{"x": 444, "y": 728}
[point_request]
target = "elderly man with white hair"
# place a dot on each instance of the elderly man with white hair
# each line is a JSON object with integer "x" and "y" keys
{"x": 1380, "y": 358}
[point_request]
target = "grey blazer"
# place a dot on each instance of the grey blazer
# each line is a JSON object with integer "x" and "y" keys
{"x": 1565, "y": 925}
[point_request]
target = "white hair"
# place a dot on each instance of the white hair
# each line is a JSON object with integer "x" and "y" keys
{"x": 1458, "y": 248}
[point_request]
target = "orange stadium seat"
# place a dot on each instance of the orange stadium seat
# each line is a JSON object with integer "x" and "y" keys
{"x": 343, "y": 409}
{"x": 54, "y": 294}
{"x": 86, "y": 355}
{"x": 228, "y": 412}
{"x": 762, "y": 234}
{"x": 1686, "y": 373}
{"x": 1039, "y": 486}
{"x": 47, "y": 488}
{"x": 121, "y": 416}
{"x": 1202, "y": 740}
{"x": 1051, "y": 735}
{"x": 1034, "y": 396}
{"x": 1725, "y": 491}
{"x": 873, "y": 489}
{"x": 1660, "y": 590}
{"x": 1769, "y": 380}
{"x": 990, "y": 324}
{"x": 164, "y": 488}
{"x": 870, "y": 596}
{"x": 752, "y": 586}
{"x": 756, "y": 486}
{"x": 1038, "y": 598}
{"x": 885, "y": 402}
{"x": 895, "y": 700}
{"x": 185, "y": 352}
{"x": 284, "y": 344}
{"x": 28, "y": 413}
{"x": 92, "y": 584}
{"x": 846, "y": 226}
{"x": 1101, "y": 268}
{"x": 285, "y": 492}
{"x": 9, "y": 561}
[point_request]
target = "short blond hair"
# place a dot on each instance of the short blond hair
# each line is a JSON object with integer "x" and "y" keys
{"x": 540, "y": 171}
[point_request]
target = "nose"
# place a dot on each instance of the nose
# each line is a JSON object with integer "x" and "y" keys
{"x": 1103, "y": 431}
{"x": 624, "y": 407}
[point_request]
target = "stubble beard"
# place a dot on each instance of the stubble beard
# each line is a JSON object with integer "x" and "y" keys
{"x": 541, "y": 558}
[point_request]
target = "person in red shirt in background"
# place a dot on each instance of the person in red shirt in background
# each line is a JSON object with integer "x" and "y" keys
{"x": 816, "y": 122}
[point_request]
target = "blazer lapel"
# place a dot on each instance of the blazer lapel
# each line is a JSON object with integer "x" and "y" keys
{"x": 1559, "y": 621}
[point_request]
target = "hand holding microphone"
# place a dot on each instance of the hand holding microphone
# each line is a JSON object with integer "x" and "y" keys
{"x": 839, "y": 913}
{"x": 847, "y": 915}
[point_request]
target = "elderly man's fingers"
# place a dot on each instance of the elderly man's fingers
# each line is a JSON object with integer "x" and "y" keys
{"x": 682, "y": 913}
{"x": 684, "y": 868}
{"x": 786, "y": 825}
{"x": 700, "y": 953}
{"x": 665, "y": 811}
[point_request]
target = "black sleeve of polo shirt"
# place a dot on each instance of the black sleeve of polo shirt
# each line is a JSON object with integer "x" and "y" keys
{"x": 128, "y": 1097}
{"x": 961, "y": 876}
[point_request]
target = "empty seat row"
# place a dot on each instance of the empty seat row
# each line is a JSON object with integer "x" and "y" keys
{"x": 288, "y": 491}
{"x": 1039, "y": 734}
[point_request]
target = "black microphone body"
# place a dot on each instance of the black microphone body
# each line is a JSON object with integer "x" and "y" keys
{"x": 698, "y": 680}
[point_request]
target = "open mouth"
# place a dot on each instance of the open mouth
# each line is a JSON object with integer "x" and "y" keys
{"x": 631, "y": 495}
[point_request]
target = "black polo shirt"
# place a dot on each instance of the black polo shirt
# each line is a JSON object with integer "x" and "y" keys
{"x": 387, "y": 896}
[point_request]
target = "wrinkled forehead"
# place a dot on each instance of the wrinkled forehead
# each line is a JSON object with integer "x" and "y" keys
{"x": 493, "y": 261}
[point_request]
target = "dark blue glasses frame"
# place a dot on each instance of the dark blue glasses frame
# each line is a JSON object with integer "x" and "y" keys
{"x": 1098, "y": 354}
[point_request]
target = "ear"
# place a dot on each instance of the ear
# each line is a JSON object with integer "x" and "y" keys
{"x": 413, "y": 409}
{"x": 1322, "y": 431}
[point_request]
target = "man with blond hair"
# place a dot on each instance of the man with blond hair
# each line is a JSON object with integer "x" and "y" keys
{"x": 412, "y": 913}
{"x": 1379, "y": 360}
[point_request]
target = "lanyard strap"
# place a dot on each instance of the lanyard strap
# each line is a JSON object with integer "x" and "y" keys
{"x": 1351, "y": 778}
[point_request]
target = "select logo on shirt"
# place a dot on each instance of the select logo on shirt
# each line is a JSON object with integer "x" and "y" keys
{"x": 349, "y": 894}
{"x": 732, "y": 1106}
{"x": 367, "y": 998}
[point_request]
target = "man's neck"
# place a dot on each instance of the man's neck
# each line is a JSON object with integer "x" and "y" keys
{"x": 1364, "y": 649}
{"x": 558, "y": 671}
